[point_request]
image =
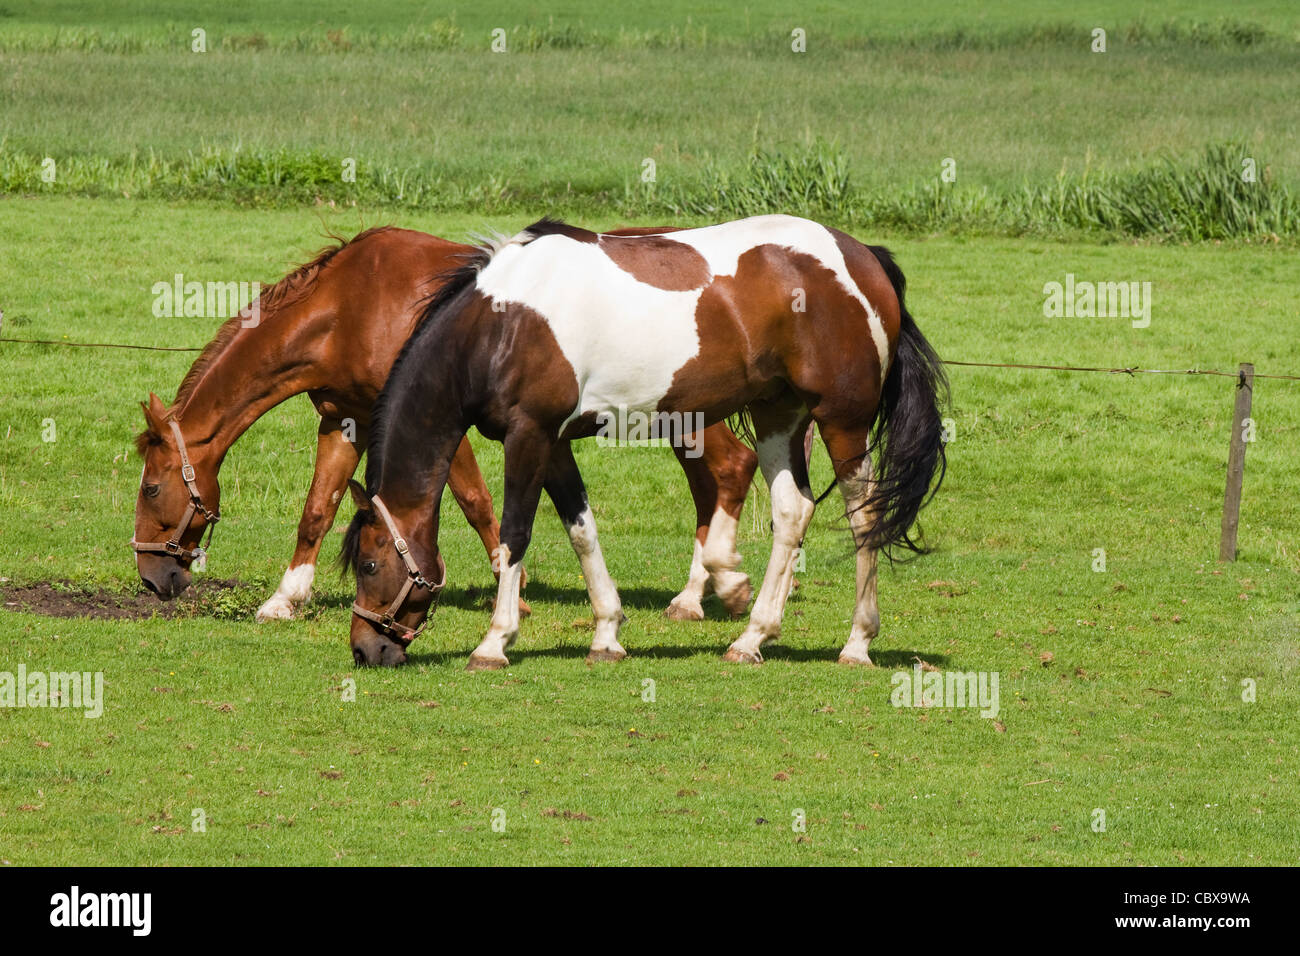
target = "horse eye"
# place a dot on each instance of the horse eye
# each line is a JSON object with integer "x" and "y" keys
{"x": 151, "y": 491}
{"x": 369, "y": 567}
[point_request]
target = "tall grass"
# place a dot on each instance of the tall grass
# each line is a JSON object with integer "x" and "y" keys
{"x": 1200, "y": 197}
{"x": 446, "y": 34}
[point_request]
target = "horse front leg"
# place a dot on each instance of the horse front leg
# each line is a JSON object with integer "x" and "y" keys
{"x": 336, "y": 460}
{"x": 528, "y": 451}
{"x": 475, "y": 501}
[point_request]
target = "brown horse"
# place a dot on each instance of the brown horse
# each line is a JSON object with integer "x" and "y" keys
{"x": 540, "y": 339}
{"x": 333, "y": 328}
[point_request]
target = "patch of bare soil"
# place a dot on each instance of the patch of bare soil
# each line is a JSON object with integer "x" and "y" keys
{"x": 63, "y": 599}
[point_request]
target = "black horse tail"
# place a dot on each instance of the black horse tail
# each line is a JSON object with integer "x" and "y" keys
{"x": 907, "y": 438}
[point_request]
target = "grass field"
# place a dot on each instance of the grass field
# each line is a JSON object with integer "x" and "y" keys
{"x": 1120, "y": 690}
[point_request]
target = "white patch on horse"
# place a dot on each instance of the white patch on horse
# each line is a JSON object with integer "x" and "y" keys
{"x": 294, "y": 589}
{"x": 624, "y": 339}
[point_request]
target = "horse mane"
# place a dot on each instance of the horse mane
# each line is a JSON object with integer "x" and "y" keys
{"x": 290, "y": 289}
{"x": 546, "y": 226}
{"x": 451, "y": 285}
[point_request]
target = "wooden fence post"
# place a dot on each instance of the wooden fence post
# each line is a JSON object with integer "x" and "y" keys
{"x": 1236, "y": 463}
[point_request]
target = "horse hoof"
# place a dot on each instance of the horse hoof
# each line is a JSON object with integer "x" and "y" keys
{"x": 736, "y": 656}
{"x": 486, "y": 663}
{"x": 275, "y": 609}
{"x": 853, "y": 661}
{"x": 606, "y": 654}
{"x": 681, "y": 610}
{"x": 737, "y": 602}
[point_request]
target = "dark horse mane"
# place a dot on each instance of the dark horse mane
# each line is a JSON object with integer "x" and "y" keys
{"x": 452, "y": 285}
{"x": 438, "y": 303}
{"x": 291, "y": 288}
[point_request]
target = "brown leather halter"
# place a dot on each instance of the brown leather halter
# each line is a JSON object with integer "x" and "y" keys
{"x": 172, "y": 546}
{"x": 387, "y": 620}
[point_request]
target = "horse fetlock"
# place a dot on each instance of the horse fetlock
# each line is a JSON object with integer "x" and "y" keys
{"x": 734, "y": 590}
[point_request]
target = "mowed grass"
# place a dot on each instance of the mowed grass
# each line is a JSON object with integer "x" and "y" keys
{"x": 1119, "y": 690}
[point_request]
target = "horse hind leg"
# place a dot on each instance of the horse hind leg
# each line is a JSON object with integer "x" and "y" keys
{"x": 336, "y": 460}
{"x": 780, "y": 430}
{"x": 853, "y": 471}
{"x": 719, "y": 480}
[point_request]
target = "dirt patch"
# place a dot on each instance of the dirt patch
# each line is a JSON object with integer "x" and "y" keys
{"x": 63, "y": 599}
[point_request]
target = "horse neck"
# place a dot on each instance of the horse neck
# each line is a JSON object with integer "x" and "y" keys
{"x": 257, "y": 370}
{"x": 422, "y": 428}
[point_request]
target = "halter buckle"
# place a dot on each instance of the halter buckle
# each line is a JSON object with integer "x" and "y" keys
{"x": 187, "y": 472}
{"x": 400, "y": 545}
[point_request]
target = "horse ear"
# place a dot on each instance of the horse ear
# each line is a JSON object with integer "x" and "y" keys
{"x": 359, "y": 496}
{"x": 151, "y": 427}
{"x": 155, "y": 413}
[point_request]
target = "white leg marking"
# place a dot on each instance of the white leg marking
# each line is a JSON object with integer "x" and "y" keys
{"x": 866, "y": 614}
{"x": 294, "y": 589}
{"x": 721, "y": 559}
{"x": 792, "y": 509}
{"x": 687, "y": 605}
{"x": 491, "y": 651}
{"x": 605, "y": 604}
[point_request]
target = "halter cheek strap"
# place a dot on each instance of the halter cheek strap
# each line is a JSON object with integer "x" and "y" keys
{"x": 387, "y": 620}
{"x": 172, "y": 545}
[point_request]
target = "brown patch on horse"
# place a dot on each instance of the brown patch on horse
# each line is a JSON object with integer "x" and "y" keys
{"x": 787, "y": 355}
{"x": 659, "y": 262}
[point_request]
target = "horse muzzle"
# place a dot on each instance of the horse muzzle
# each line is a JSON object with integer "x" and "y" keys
{"x": 165, "y": 577}
{"x": 371, "y": 648}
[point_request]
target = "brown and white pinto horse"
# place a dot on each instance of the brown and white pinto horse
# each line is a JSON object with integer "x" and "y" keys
{"x": 332, "y": 329}
{"x": 540, "y": 338}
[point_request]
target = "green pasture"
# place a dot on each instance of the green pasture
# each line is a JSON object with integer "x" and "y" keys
{"x": 1120, "y": 690}
{"x": 1160, "y": 691}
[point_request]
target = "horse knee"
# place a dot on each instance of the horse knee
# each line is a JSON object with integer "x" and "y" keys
{"x": 313, "y": 525}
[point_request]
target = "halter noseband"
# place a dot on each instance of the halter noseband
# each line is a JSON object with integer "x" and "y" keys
{"x": 172, "y": 546}
{"x": 387, "y": 620}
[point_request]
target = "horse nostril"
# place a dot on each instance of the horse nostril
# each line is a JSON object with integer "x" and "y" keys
{"x": 150, "y": 585}
{"x": 358, "y": 657}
